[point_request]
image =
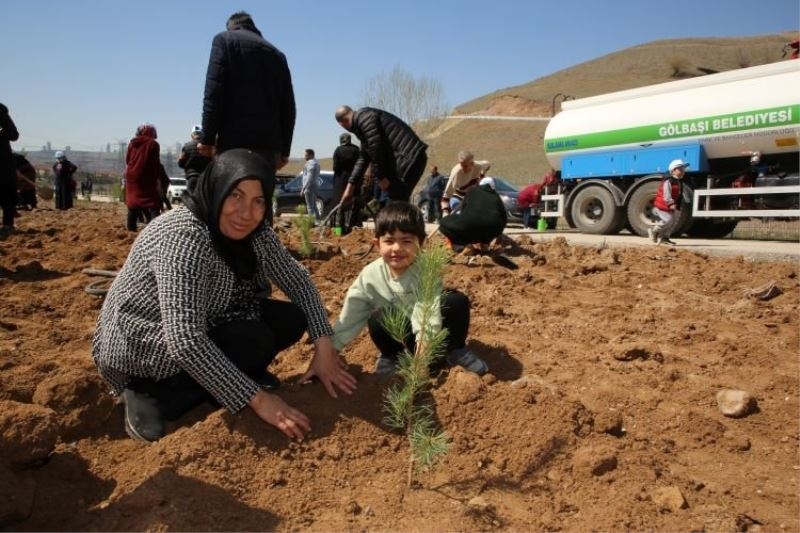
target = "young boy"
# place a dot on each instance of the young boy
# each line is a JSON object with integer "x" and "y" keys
{"x": 392, "y": 280}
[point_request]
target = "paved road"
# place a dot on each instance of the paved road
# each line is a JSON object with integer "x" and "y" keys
{"x": 751, "y": 250}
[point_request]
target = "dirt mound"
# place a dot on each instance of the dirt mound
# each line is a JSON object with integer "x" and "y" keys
{"x": 599, "y": 413}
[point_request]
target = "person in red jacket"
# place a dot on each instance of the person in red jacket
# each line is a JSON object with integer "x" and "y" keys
{"x": 530, "y": 196}
{"x": 667, "y": 202}
{"x": 143, "y": 176}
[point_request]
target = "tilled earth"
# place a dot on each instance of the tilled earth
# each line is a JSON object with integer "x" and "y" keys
{"x": 600, "y": 411}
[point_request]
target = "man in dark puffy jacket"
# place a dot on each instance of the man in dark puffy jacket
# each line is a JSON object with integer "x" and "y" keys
{"x": 249, "y": 98}
{"x": 397, "y": 154}
{"x": 344, "y": 161}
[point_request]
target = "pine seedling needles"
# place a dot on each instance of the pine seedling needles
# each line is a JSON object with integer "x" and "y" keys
{"x": 404, "y": 404}
{"x": 304, "y": 223}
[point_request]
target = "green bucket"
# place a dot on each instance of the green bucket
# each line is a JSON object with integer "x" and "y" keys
{"x": 541, "y": 225}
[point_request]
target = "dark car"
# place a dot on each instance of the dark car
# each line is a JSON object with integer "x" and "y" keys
{"x": 507, "y": 191}
{"x": 287, "y": 195}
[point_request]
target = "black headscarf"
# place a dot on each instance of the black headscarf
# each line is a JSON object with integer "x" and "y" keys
{"x": 213, "y": 187}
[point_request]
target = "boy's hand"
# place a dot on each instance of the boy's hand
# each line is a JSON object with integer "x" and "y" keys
{"x": 329, "y": 368}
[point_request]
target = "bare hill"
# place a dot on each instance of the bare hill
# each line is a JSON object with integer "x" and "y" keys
{"x": 515, "y": 147}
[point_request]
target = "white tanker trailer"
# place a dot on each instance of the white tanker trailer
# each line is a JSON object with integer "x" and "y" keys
{"x": 612, "y": 151}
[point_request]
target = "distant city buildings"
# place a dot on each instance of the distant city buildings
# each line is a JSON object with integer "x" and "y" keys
{"x": 111, "y": 160}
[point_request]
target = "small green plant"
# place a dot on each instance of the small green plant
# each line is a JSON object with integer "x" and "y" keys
{"x": 403, "y": 405}
{"x": 118, "y": 192}
{"x": 304, "y": 223}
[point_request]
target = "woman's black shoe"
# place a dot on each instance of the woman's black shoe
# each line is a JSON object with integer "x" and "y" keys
{"x": 143, "y": 420}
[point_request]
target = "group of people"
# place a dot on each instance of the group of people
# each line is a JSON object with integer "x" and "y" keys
{"x": 18, "y": 177}
{"x": 189, "y": 318}
{"x": 187, "y": 321}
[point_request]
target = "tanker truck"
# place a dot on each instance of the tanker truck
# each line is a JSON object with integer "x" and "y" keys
{"x": 612, "y": 151}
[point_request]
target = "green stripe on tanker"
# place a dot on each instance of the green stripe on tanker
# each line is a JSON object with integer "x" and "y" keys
{"x": 760, "y": 119}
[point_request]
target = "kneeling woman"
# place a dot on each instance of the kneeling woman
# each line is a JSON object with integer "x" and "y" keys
{"x": 182, "y": 323}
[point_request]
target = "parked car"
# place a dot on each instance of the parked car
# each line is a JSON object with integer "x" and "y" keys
{"x": 287, "y": 195}
{"x": 508, "y": 193}
{"x": 177, "y": 184}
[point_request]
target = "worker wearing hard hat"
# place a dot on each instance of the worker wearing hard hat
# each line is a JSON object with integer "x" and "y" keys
{"x": 667, "y": 202}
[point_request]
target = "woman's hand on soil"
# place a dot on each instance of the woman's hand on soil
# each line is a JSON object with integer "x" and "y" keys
{"x": 329, "y": 368}
{"x": 273, "y": 410}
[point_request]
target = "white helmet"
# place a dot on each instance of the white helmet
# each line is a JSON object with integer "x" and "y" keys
{"x": 60, "y": 154}
{"x": 197, "y": 130}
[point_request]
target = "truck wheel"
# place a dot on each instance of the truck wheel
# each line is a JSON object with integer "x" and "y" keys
{"x": 640, "y": 208}
{"x": 594, "y": 211}
{"x": 711, "y": 229}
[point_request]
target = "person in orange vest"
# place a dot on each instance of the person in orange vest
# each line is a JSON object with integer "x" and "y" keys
{"x": 667, "y": 202}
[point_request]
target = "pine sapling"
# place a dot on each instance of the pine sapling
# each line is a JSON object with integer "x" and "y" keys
{"x": 304, "y": 223}
{"x": 403, "y": 403}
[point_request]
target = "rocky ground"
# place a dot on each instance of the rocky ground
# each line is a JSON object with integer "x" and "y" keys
{"x": 603, "y": 409}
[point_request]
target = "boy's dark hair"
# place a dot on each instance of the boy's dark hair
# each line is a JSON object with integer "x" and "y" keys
{"x": 400, "y": 216}
{"x": 239, "y": 18}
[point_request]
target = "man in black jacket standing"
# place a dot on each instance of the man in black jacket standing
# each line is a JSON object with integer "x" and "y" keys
{"x": 397, "y": 154}
{"x": 344, "y": 161}
{"x": 249, "y": 98}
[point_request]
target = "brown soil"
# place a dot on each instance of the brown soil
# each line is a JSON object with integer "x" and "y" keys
{"x": 600, "y": 411}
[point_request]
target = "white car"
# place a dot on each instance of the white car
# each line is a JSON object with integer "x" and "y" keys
{"x": 176, "y": 187}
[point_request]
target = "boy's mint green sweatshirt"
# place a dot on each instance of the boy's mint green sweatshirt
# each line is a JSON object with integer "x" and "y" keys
{"x": 375, "y": 288}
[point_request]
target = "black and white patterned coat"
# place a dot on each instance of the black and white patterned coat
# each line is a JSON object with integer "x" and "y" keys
{"x": 173, "y": 288}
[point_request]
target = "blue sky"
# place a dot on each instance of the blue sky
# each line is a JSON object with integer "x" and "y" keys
{"x": 86, "y": 73}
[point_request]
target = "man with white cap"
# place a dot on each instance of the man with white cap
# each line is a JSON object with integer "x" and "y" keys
{"x": 668, "y": 200}
{"x": 191, "y": 160}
